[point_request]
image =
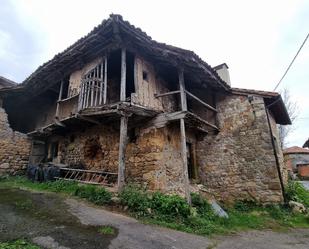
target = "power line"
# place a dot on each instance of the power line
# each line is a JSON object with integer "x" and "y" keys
{"x": 286, "y": 71}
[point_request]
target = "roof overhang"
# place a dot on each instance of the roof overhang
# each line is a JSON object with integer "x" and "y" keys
{"x": 111, "y": 34}
{"x": 273, "y": 101}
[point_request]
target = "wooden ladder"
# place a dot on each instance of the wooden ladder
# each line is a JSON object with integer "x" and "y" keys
{"x": 88, "y": 176}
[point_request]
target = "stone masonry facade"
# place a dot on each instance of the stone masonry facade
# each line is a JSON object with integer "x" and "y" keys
{"x": 153, "y": 158}
{"x": 14, "y": 148}
{"x": 239, "y": 161}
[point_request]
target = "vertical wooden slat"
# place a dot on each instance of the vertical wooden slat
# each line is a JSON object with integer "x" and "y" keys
{"x": 92, "y": 92}
{"x": 101, "y": 83}
{"x": 105, "y": 80}
{"x": 122, "y": 151}
{"x": 59, "y": 98}
{"x": 96, "y": 86}
{"x": 123, "y": 76}
{"x": 87, "y": 94}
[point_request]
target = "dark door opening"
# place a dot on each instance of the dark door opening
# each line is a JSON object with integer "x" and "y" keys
{"x": 190, "y": 162}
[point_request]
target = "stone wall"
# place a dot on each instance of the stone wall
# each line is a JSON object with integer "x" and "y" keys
{"x": 152, "y": 156}
{"x": 239, "y": 162}
{"x": 14, "y": 148}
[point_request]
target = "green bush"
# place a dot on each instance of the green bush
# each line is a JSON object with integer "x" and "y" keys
{"x": 97, "y": 195}
{"x": 18, "y": 244}
{"x": 201, "y": 204}
{"x": 295, "y": 191}
{"x": 169, "y": 205}
{"x": 245, "y": 205}
{"x": 136, "y": 199}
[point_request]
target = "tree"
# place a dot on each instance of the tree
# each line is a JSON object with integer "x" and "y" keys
{"x": 292, "y": 108}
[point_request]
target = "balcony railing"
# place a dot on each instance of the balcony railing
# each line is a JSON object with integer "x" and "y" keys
{"x": 93, "y": 88}
{"x": 198, "y": 108}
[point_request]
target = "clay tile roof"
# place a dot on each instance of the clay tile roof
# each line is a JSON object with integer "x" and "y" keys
{"x": 111, "y": 30}
{"x": 6, "y": 83}
{"x": 296, "y": 150}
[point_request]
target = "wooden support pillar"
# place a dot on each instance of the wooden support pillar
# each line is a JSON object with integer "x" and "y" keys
{"x": 183, "y": 97}
{"x": 59, "y": 98}
{"x": 123, "y": 75}
{"x": 183, "y": 141}
{"x": 122, "y": 151}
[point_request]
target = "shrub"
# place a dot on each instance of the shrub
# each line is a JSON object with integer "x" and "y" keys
{"x": 97, "y": 195}
{"x": 18, "y": 244}
{"x": 201, "y": 204}
{"x": 136, "y": 199}
{"x": 170, "y": 205}
{"x": 245, "y": 205}
{"x": 295, "y": 191}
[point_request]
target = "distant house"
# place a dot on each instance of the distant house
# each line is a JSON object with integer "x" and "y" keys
{"x": 297, "y": 160}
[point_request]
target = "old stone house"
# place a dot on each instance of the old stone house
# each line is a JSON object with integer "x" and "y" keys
{"x": 119, "y": 102}
{"x": 297, "y": 160}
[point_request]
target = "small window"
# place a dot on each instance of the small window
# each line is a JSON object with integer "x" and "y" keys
{"x": 145, "y": 76}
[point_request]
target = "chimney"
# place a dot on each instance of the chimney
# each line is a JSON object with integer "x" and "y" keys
{"x": 223, "y": 72}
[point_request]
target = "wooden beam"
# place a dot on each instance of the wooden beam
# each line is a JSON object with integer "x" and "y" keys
{"x": 123, "y": 76}
{"x": 59, "y": 98}
{"x": 201, "y": 101}
{"x": 183, "y": 98}
{"x": 184, "y": 108}
{"x": 184, "y": 159}
{"x": 122, "y": 151}
{"x": 90, "y": 120}
{"x": 157, "y": 95}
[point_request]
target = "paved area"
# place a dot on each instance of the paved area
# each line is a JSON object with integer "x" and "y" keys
{"x": 58, "y": 223}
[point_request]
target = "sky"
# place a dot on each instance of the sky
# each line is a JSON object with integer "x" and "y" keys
{"x": 257, "y": 39}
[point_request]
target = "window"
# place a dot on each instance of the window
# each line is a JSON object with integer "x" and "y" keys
{"x": 145, "y": 76}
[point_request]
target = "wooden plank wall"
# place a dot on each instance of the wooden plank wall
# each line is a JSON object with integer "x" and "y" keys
{"x": 145, "y": 89}
{"x": 76, "y": 77}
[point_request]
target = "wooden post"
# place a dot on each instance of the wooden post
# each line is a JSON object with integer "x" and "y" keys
{"x": 183, "y": 100}
{"x": 183, "y": 97}
{"x": 122, "y": 151}
{"x": 105, "y": 80}
{"x": 59, "y": 98}
{"x": 184, "y": 159}
{"x": 123, "y": 76}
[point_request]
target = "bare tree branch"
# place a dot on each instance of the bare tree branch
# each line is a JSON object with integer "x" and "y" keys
{"x": 293, "y": 112}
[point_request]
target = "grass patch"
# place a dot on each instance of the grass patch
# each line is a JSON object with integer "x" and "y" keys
{"x": 18, "y": 244}
{"x": 107, "y": 230}
{"x": 95, "y": 194}
{"x": 172, "y": 211}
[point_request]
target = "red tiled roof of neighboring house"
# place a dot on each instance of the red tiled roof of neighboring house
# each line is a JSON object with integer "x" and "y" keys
{"x": 296, "y": 150}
